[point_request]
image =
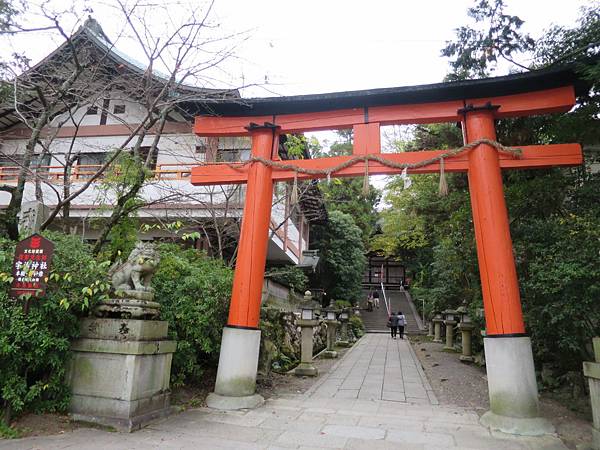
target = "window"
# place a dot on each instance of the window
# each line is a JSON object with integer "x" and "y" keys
{"x": 92, "y": 111}
{"x": 91, "y": 159}
{"x": 119, "y": 109}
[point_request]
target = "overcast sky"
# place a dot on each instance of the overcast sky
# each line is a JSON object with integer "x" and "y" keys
{"x": 314, "y": 46}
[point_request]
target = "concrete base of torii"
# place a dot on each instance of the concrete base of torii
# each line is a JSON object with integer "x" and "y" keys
{"x": 235, "y": 387}
{"x": 512, "y": 387}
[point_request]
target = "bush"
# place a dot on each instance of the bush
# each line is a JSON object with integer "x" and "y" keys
{"x": 341, "y": 304}
{"x": 342, "y": 262}
{"x": 34, "y": 348}
{"x": 357, "y": 326}
{"x": 194, "y": 292}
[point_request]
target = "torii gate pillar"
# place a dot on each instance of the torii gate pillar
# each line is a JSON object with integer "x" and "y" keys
{"x": 235, "y": 386}
{"x": 509, "y": 359}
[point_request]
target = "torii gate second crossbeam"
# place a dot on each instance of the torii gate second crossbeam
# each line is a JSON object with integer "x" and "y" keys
{"x": 476, "y": 105}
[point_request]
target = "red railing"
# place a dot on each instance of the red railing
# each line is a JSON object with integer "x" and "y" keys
{"x": 55, "y": 174}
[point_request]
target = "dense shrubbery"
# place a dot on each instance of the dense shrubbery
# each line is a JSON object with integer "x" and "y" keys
{"x": 343, "y": 260}
{"x": 34, "y": 349}
{"x": 357, "y": 326}
{"x": 194, "y": 292}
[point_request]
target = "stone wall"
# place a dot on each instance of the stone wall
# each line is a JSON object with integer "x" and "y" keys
{"x": 280, "y": 341}
{"x": 278, "y": 296}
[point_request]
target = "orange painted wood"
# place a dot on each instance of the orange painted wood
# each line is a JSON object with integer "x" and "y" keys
{"x": 530, "y": 103}
{"x": 367, "y": 139}
{"x": 534, "y": 156}
{"x": 244, "y": 310}
{"x": 533, "y": 103}
{"x": 500, "y": 288}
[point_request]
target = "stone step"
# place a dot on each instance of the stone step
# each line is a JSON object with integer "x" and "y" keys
{"x": 376, "y": 320}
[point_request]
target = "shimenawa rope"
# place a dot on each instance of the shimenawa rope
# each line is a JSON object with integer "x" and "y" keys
{"x": 329, "y": 171}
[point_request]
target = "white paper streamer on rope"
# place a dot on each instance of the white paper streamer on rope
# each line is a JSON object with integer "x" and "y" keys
{"x": 405, "y": 178}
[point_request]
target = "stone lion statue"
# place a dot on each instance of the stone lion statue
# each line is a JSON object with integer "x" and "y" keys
{"x": 135, "y": 274}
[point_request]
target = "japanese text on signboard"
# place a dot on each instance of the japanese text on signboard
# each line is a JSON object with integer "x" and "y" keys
{"x": 31, "y": 266}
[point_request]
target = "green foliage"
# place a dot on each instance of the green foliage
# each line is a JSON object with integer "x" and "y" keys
{"x": 476, "y": 50}
{"x": 346, "y": 194}
{"x": 34, "y": 348}
{"x": 357, "y": 326}
{"x": 194, "y": 291}
{"x": 341, "y": 304}
{"x": 290, "y": 276}
{"x": 343, "y": 259}
{"x": 554, "y": 214}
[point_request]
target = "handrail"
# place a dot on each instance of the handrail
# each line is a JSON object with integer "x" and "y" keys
{"x": 385, "y": 300}
{"x": 55, "y": 174}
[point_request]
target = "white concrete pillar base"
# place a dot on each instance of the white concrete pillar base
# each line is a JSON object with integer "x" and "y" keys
{"x": 235, "y": 387}
{"x": 512, "y": 387}
{"x": 226, "y": 403}
{"x": 521, "y": 426}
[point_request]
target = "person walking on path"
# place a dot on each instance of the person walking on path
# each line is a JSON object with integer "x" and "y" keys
{"x": 393, "y": 323}
{"x": 375, "y": 296}
{"x": 401, "y": 324}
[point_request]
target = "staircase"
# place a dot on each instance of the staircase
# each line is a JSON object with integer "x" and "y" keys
{"x": 375, "y": 321}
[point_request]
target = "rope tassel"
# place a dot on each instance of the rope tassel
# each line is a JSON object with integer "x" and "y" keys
{"x": 294, "y": 194}
{"x": 366, "y": 185}
{"x": 443, "y": 189}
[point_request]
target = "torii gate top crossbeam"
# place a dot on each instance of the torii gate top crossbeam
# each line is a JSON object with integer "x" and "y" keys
{"x": 536, "y": 92}
{"x": 532, "y": 93}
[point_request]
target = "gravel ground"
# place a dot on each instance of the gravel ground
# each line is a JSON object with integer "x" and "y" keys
{"x": 459, "y": 384}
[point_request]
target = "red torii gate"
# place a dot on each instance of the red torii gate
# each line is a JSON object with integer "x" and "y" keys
{"x": 475, "y": 104}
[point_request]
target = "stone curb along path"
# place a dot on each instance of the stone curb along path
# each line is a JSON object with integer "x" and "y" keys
{"x": 375, "y": 397}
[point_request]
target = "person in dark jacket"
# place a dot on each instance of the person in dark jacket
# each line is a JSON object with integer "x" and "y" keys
{"x": 393, "y": 325}
{"x": 401, "y": 324}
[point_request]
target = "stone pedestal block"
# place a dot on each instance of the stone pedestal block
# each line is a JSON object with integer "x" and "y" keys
{"x": 306, "y": 367}
{"x": 449, "y": 335}
{"x": 430, "y": 329}
{"x": 344, "y": 341}
{"x": 466, "y": 330}
{"x": 437, "y": 327}
{"x": 331, "y": 328}
{"x": 120, "y": 371}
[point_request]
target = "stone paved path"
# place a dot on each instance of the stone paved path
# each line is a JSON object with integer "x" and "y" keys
{"x": 376, "y": 397}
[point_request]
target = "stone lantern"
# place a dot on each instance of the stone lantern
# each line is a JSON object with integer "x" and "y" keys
{"x": 307, "y": 322}
{"x": 450, "y": 316}
{"x": 344, "y": 318}
{"x": 437, "y": 320}
{"x": 430, "y": 326}
{"x": 466, "y": 329}
{"x": 332, "y": 323}
{"x": 592, "y": 371}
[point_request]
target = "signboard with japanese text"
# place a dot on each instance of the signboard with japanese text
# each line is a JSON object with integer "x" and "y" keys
{"x": 31, "y": 266}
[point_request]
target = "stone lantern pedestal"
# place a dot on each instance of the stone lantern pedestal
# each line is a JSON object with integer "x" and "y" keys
{"x": 344, "y": 319}
{"x": 592, "y": 371}
{"x": 450, "y": 321}
{"x": 430, "y": 330}
{"x": 306, "y": 366}
{"x": 331, "y": 330}
{"x": 466, "y": 330}
{"x": 437, "y": 327}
